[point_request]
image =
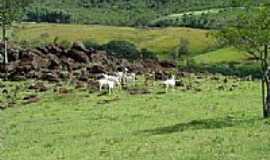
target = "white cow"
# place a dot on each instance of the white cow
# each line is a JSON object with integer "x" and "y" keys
{"x": 170, "y": 83}
{"x": 115, "y": 79}
{"x": 130, "y": 78}
{"x": 105, "y": 82}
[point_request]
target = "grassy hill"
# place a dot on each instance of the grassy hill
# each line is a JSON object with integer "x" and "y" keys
{"x": 185, "y": 125}
{"x": 161, "y": 41}
{"x": 118, "y": 12}
{"x": 225, "y": 55}
{"x": 214, "y": 18}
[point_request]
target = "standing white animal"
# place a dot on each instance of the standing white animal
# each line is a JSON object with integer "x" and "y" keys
{"x": 105, "y": 82}
{"x": 169, "y": 83}
{"x": 130, "y": 78}
{"x": 115, "y": 79}
{"x": 121, "y": 76}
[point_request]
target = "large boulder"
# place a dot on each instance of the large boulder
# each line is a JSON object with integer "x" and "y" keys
{"x": 55, "y": 49}
{"x": 161, "y": 76}
{"x": 96, "y": 69}
{"x": 51, "y": 76}
{"x": 100, "y": 58}
{"x": 79, "y": 46}
{"x": 167, "y": 64}
{"x": 78, "y": 56}
{"x": 54, "y": 61}
{"x": 152, "y": 65}
{"x": 39, "y": 87}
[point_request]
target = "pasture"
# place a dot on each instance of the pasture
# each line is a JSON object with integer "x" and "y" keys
{"x": 211, "y": 121}
{"x": 224, "y": 55}
{"x": 161, "y": 41}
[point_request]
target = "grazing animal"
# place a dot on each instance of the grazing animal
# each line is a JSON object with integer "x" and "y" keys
{"x": 115, "y": 79}
{"x": 169, "y": 83}
{"x": 105, "y": 82}
{"x": 130, "y": 78}
{"x": 120, "y": 76}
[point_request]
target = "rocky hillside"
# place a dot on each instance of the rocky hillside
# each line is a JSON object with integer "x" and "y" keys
{"x": 55, "y": 63}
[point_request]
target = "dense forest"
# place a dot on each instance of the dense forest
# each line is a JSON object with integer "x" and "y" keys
{"x": 117, "y": 12}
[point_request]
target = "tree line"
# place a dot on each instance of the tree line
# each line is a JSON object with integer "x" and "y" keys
{"x": 118, "y": 12}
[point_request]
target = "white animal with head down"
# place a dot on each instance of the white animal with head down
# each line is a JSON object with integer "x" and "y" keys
{"x": 169, "y": 83}
{"x": 120, "y": 76}
{"x": 130, "y": 78}
{"x": 105, "y": 82}
{"x": 115, "y": 79}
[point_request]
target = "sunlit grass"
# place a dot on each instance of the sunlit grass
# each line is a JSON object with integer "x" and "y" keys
{"x": 208, "y": 125}
{"x": 158, "y": 40}
{"x": 226, "y": 55}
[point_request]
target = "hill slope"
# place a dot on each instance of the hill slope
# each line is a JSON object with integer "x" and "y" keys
{"x": 161, "y": 41}
{"x": 226, "y": 125}
{"x": 115, "y": 12}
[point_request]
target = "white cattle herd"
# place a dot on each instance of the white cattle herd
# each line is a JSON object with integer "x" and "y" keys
{"x": 117, "y": 79}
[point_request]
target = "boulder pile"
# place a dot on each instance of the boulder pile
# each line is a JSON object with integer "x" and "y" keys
{"x": 55, "y": 63}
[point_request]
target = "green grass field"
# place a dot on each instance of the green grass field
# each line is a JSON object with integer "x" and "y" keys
{"x": 162, "y": 41}
{"x": 226, "y": 55}
{"x": 184, "y": 125}
{"x": 158, "y": 40}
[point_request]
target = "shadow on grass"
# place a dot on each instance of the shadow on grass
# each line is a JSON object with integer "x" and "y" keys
{"x": 227, "y": 69}
{"x": 161, "y": 93}
{"x": 200, "y": 124}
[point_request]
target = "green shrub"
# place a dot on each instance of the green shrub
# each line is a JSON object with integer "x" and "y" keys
{"x": 240, "y": 70}
{"x": 122, "y": 49}
{"x": 184, "y": 48}
{"x": 65, "y": 43}
{"x": 44, "y": 14}
{"x": 92, "y": 44}
{"x": 147, "y": 54}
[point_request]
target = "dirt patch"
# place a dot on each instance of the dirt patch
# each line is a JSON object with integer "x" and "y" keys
{"x": 31, "y": 99}
{"x": 138, "y": 91}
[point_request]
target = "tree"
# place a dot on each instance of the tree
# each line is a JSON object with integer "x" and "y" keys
{"x": 122, "y": 49}
{"x": 251, "y": 32}
{"x": 183, "y": 49}
{"x": 10, "y": 11}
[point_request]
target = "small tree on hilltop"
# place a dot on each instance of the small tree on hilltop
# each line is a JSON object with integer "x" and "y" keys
{"x": 251, "y": 32}
{"x": 183, "y": 49}
{"x": 10, "y": 11}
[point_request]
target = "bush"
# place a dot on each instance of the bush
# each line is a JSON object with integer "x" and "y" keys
{"x": 147, "y": 54}
{"x": 122, "y": 49}
{"x": 92, "y": 44}
{"x": 65, "y": 43}
{"x": 183, "y": 49}
{"x": 43, "y": 14}
{"x": 242, "y": 70}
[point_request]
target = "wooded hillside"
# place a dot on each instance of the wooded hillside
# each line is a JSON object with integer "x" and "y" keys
{"x": 117, "y": 12}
